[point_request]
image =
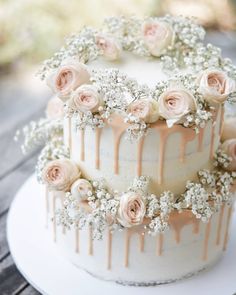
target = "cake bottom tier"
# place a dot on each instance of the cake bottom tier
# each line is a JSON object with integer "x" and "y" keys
{"x": 133, "y": 257}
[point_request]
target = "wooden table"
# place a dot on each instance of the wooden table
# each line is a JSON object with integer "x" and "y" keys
{"x": 22, "y": 100}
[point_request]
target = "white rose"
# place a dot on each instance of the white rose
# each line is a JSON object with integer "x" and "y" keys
{"x": 80, "y": 189}
{"x": 175, "y": 104}
{"x": 70, "y": 75}
{"x": 86, "y": 98}
{"x": 109, "y": 47}
{"x": 215, "y": 86}
{"x": 158, "y": 36}
{"x": 55, "y": 108}
{"x": 145, "y": 109}
{"x": 132, "y": 209}
{"x": 60, "y": 174}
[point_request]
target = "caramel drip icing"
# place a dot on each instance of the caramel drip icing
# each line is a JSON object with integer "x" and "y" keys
{"x": 200, "y": 139}
{"x": 90, "y": 249}
{"x": 196, "y": 227}
{"x": 47, "y": 204}
{"x": 221, "y": 120}
{"x": 179, "y": 220}
{"x": 219, "y": 227}
{"x": 69, "y": 135}
{"x": 227, "y": 228}
{"x": 97, "y": 147}
{"x": 162, "y": 146}
{"x": 187, "y": 135}
{"x": 213, "y": 131}
{"x": 77, "y": 240}
{"x": 118, "y": 127}
{"x": 109, "y": 248}
{"x": 127, "y": 246}
{"x": 82, "y": 134}
{"x": 206, "y": 240}
{"x": 141, "y": 241}
{"x": 160, "y": 241}
{"x": 139, "y": 156}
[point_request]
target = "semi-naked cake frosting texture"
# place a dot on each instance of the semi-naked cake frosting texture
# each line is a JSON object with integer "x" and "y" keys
{"x": 138, "y": 165}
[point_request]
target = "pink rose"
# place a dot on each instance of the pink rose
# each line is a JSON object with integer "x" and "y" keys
{"x": 70, "y": 75}
{"x": 229, "y": 129}
{"x": 86, "y": 98}
{"x": 229, "y": 147}
{"x": 60, "y": 174}
{"x": 80, "y": 189}
{"x": 145, "y": 109}
{"x": 174, "y": 104}
{"x": 158, "y": 36}
{"x": 109, "y": 47}
{"x": 132, "y": 209}
{"x": 55, "y": 108}
{"x": 215, "y": 86}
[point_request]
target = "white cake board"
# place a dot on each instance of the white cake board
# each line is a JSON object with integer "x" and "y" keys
{"x": 38, "y": 259}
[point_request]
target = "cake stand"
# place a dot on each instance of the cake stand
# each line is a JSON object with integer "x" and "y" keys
{"x": 40, "y": 262}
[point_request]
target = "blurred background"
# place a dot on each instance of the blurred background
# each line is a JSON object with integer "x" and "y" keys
{"x": 30, "y": 31}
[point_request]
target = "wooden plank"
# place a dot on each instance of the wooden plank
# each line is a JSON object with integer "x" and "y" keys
{"x": 4, "y": 250}
{"x": 11, "y": 281}
{"x": 29, "y": 290}
{"x": 226, "y": 41}
{"x": 11, "y": 151}
{"x": 19, "y": 98}
{"x": 11, "y": 183}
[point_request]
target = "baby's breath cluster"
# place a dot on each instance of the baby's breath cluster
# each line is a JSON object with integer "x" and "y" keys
{"x": 37, "y": 133}
{"x": 203, "y": 198}
{"x": 221, "y": 159}
{"x": 205, "y": 57}
{"x": 44, "y": 132}
{"x": 87, "y": 119}
{"x": 81, "y": 45}
{"x": 158, "y": 211}
{"x": 128, "y": 32}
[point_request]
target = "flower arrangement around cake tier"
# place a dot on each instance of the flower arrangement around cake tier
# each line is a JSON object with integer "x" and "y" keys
{"x": 200, "y": 79}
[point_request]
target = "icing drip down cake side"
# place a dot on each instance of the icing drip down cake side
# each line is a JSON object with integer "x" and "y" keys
{"x": 139, "y": 159}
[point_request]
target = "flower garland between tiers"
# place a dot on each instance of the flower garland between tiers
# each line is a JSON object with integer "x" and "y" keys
{"x": 203, "y": 198}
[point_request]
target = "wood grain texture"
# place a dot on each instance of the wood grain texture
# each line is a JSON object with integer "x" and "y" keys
{"x": 15, "y": 168}
{"x": 11, "y": 281}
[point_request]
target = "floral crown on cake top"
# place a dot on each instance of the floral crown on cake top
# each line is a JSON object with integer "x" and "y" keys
{"x": 90, "y": 97}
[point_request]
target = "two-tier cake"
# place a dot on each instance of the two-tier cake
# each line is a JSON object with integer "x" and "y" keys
{"x": 138, "y": 181}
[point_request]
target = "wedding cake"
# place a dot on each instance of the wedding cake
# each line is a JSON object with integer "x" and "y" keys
{"x": 138, "y": 167}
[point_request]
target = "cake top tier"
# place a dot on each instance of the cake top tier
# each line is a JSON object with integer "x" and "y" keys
{"x": 146, "y": 70}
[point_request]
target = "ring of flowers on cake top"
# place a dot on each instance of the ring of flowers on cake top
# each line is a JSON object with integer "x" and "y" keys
{"x": 92, "y": 96}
